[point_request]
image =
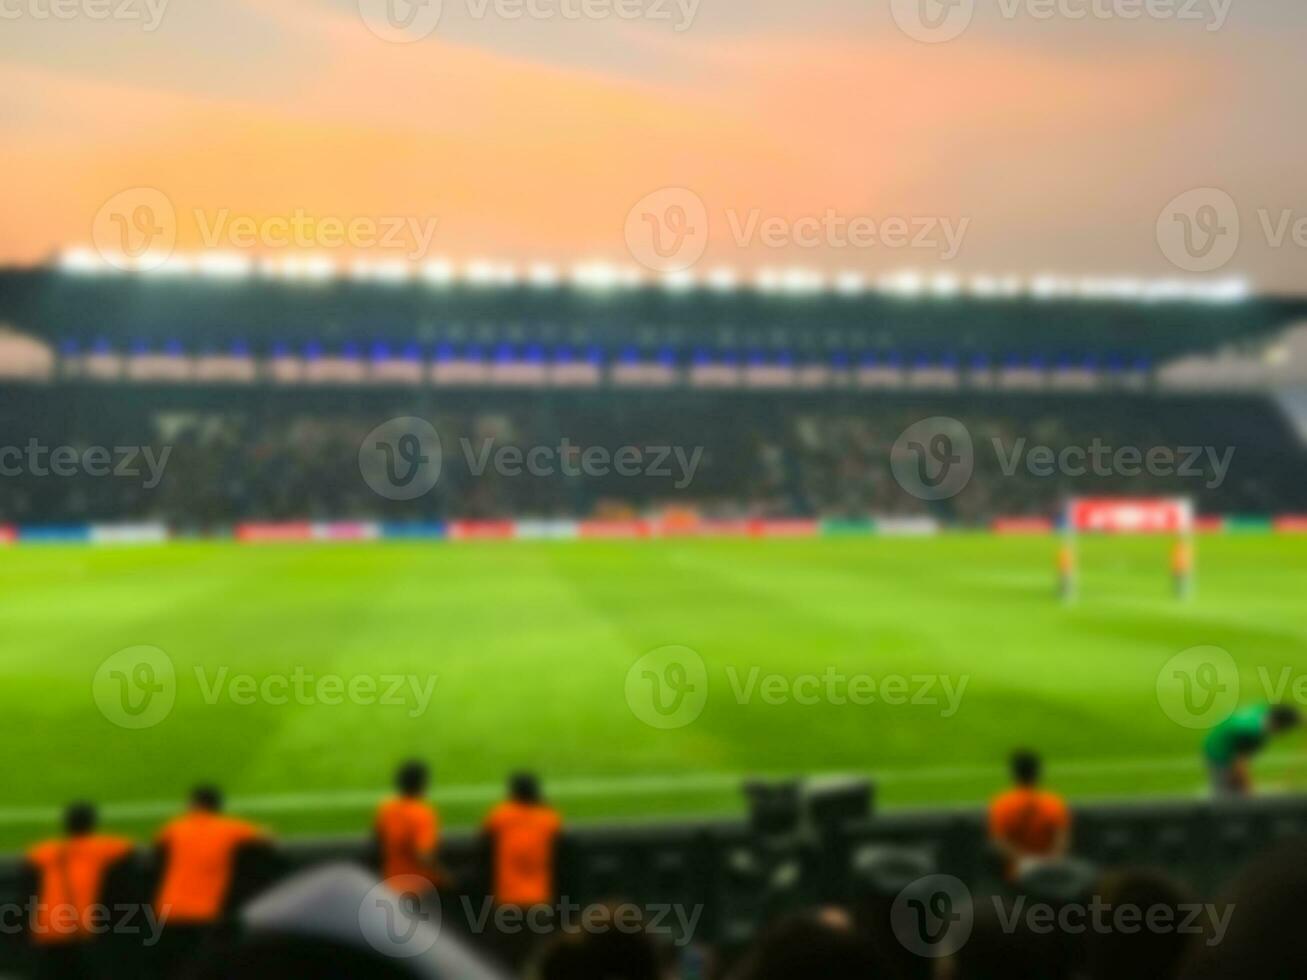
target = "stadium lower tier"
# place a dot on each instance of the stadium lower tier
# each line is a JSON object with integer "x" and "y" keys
{"x": 198, "y": 458}
{"x": 1190, "y": 890}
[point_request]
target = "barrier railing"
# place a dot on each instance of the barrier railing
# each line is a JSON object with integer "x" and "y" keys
{"x": 734, "y": 875}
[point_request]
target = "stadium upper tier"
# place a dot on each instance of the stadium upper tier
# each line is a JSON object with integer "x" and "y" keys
{"x": 779, "y": 317}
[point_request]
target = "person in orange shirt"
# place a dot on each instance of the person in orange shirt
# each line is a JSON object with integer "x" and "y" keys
{"x": 198, "y": 853}
{"x": 1182, "y": 568}
{"x": 68, "y": 874}
{"x": 523, "y": 832}
{"x": 1066, "y": 572}
{"x": 407, "y": 832}
{"x": 1028, "y": 823}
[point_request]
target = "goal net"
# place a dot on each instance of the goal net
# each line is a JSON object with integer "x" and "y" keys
{"x": 1171, "y": 517}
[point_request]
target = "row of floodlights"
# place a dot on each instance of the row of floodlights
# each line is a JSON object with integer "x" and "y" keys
{"x": 604, "y": 277}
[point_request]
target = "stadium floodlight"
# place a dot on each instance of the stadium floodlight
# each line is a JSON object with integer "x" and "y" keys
{"x": 1125, "y": 288}
{"x": 479, "y": 273}
{"x": 678, "y": 281}
{"x": 439, "y": 272}
{"x": 159, "y": 265}
{"x": 385, "y": 271}
{"x": 593, "y": 275}
{"x": 600, "y": 276}
{"x": 1107, "y": 288}
{"x": 483, "y": 272}
{"x": 1164, "y": 290}
{"x": 1010, "y": 286}
{"x": 81, "y": 261}
{"x": 1049, "y": 286}
{"x": 850, "y": 283}
{"x": 299, "y": 268}
{"x": 1234, "y": 290}
{"x": 1226, "y": 291}
{"x": 908, "y": 283}
{"x": 722, "y": 280}
{"x": 1089, "y": 287}
{"x": 224, "y": 265}
{"x": 798, "y": 282}
{"x": 986, "y": 286}
{"x": 542, "y": 275}
{"x": 793, "y": 281}
{"x": 945, "y": 285}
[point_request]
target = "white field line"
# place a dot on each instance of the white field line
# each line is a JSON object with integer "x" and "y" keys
{"x": 610, "y": 786}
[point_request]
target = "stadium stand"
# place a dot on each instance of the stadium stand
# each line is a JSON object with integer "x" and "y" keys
{"x": 272, "y": 455}
{"x": 262, "y": 389}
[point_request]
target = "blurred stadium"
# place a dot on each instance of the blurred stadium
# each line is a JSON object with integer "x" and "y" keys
{"x": 768, "y": 528}
{"x": 612, "y": 490}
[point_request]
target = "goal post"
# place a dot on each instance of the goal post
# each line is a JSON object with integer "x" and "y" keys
{"x": 1170, "y": 516}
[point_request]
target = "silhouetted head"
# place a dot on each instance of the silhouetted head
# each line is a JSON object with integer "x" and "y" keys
{"x": 1004, "y": 946}
{"x": 524, "y": 787}
{"x": 1128, "y": 952}
{"x": 810, "y": 944}
{"x": 605, "y": 950}
{"x": 1253, "y": 931}
{"x": 80, "y": 819}
{"x": 206, "y": 798}
{"x": 1283, "y": 717}
{"x": 1027, "y": 767}
{"x": 413, "y": 778}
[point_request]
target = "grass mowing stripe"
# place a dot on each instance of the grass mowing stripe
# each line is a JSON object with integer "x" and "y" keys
{"x": 532, "y": 644}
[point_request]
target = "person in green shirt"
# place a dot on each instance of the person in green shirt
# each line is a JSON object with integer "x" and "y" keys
{"x": 1231, "y": 744}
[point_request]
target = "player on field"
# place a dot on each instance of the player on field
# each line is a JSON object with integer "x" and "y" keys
{"x": 1026, "y": 822}
{"x": 1230, "y": 746}
{"x": 1066, "y": 572}
{"x": 407, "y": 832}
{"x": 1182, "y": 569}
{"x": 198, "y": 853}
{"x": 67, "y": 875}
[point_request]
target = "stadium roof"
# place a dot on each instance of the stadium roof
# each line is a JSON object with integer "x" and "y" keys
{"x": 218, "y": 301}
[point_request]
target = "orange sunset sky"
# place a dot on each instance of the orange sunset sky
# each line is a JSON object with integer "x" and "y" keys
{"x": 1058, "y": 140}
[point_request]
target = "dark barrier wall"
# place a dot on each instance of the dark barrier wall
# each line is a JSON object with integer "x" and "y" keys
{"x": 736, "y": 876}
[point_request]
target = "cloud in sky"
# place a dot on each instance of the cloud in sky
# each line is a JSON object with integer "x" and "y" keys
{"x": 533, "y": 138}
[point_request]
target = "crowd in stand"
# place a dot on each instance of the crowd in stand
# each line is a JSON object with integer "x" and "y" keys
{"x": 382, "y": 917}
{"x": 827, "y": 458}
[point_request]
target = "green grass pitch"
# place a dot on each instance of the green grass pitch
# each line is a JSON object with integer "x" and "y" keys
{"x": 530, "y": 645}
